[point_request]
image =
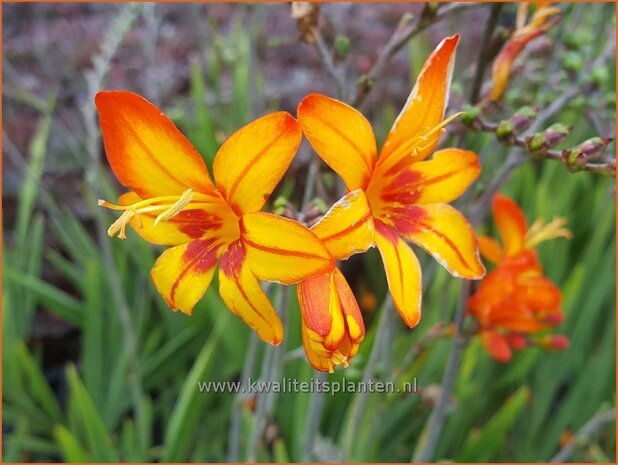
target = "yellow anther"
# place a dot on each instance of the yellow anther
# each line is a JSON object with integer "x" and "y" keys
{"x": 176, "y": 207}
{"x": 339, "y": 359}
{"x": 120, "y": 225}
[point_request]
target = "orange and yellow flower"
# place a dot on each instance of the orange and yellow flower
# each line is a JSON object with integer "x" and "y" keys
{"x": 516, "y": 300}
{"x": 541, "y": 22}
{"x": 407, "y": 195}
{"x": 332, "y": 323}
{"x": 172, "y": 201}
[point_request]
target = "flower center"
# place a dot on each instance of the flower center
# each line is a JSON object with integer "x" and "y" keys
{"x": 168, "y": 205}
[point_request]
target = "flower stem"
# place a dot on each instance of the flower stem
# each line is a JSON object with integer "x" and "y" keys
{"x": 429, "y": 440}
{"x": 376, "y": 351}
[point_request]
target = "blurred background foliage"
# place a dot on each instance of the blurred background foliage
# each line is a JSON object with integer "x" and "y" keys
{"x": 96, "y": 368}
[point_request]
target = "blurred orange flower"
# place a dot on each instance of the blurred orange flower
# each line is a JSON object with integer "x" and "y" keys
{"x": 172, "y": 201}
{"x": 516, "y": 299}
{"x": 407, "y": 196}
{"x": 540, "y": 22}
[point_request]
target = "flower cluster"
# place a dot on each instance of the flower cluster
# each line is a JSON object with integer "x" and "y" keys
{"x": 515, "y": 300}
{"x": 398, "y": 196}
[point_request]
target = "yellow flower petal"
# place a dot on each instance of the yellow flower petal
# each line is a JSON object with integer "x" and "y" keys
{"x": 444, "y": 233}
{"x": 403, "y": 273}
{"x": 347, "y": 228}
{"x": 243, "y": 295}
{"x": 282, "y": 250}
{"x": 147, "y": 153}
{"x": 424, "y": 109}
{"x": 250, "y": 164}
{"x": 183, "y": 273}
{"x": 341, "y": 136}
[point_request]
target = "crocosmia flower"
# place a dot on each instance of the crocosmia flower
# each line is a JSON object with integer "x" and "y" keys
{"x": 515, "y": 300}
{"x": 172, "y": 201}
{"x": 407, "y": 194}
{"x": 332, "y": 324}
{"x": 541, "y": 21}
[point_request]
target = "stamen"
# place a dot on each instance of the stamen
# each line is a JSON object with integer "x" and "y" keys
{"x": 168, "y": 206}
{"x": 540, "y": 232}
{"x": 411, "y": 146}
{"x": 176, "y": 208}
{"x": 120, "y": 225}
{"x": 340, "y": 359}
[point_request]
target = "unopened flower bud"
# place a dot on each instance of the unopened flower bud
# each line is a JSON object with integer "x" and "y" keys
{"x": 573, "y": 62}
{"x": 517, "y": 341}
{"x": 342, "y": 45}
{"x": 523, "y": 118}
{"x": 555, "y": 134}
{"x": 600, "y": 76}
{"x": 536, "y": 143}
{"x": 553, "y": 342}
{"x": 554, "y": 318}
{"x": 591, "y": 149}
{"x": 504, "y": 131}
{"x": 541, "y": 142}
{"x": 470, "y": 116}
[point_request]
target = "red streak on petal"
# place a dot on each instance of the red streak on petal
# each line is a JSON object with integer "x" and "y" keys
{"x": 195, "y": 223}
{"x": 200, "y": 256}
{"x": 357, "y": 224}
{"x": 233, "y": 260}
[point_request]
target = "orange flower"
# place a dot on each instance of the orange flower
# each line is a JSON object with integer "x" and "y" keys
{"x": 407, "y": 196}
{"x": 174, "y": 202}
{"x": 523, "y": 34}
{"x": 332, "y": 323}
{"x": 515, "y": 299}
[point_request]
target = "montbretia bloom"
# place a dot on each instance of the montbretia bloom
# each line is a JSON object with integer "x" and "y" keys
{"x": 407, "y": 195}
{"x": 541, "y": 21}
{"x": 515, "y": 300}
{"x": 172, "y": 201}
{"x": 332, "y": 323}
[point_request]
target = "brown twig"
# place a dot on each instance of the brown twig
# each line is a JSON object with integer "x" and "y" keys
{"x": 607, "y": 168}
{"x": 405, "y": 31}
{"x": 584, "y": 434}
{"x": 329, "y": 65}
{"x": 429, "y": 440}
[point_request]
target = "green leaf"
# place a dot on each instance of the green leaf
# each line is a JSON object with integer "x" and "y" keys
{"x": 70, "y": 447}
{"x": 98, "y": 441}
{"x": 484, "y": 444}
{"x": 187, "y": 411}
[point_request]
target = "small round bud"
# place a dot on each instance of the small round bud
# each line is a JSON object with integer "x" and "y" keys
{"x": 600, "y": 76}
{"x": 504, "y": 130}
{"x": 555, "y": 134}
{"x": 342, "y": 46}
{"x": 553, "y": 342}
{"x": 470, "y": 116}
{"x": 536, "y": 143}
{"x": 572, "y": 62}
{"x": 523, "y": 118}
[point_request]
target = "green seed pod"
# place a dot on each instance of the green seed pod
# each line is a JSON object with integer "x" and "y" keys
{"x": 470, "y": 115}
{"x": 504, "y": 130}
{"x": 572, "y": 62}
{"x": 342, "y": 46}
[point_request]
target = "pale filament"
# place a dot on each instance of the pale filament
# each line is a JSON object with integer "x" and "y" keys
{"x": 168, "y": 205}
{"x": 411, "y": 146}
